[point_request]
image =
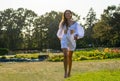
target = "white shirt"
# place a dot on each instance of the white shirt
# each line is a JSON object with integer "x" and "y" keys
{"x": 67, "y": 39}
{"x": 76, "y": 27}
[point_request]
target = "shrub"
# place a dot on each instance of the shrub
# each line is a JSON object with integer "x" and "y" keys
{"x": 55, "y": 57}
{"x": 96, "y": 54}
{"x": 83, "y": 58}
{"x": 27, "y": 56}
{"x": 3, "y": 51}
{"x": 3, "y": 57}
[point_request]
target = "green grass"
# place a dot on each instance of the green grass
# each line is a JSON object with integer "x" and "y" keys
{"x": 53, "y": 71}
{"x": 107, "y": 75}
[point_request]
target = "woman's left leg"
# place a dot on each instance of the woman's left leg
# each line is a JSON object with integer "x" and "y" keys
{"x": 70, "y": 53}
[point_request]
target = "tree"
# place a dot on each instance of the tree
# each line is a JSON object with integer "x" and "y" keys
{"x": 10, "y": 28}
{"x": 29, "y": 17}
{"x": 1, "y": 31}
{"x": 39, "y": 32}
{"x": 45, "y": 30}
{"x": 13, "y": 22}
{"x": 107, "y": 30}
{"x": 89, "y": 24}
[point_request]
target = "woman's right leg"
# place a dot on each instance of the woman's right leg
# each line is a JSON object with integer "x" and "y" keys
{"x": 65, "y": 51}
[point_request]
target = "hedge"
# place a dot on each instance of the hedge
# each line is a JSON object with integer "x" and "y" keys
{"x": 4, "y": 51}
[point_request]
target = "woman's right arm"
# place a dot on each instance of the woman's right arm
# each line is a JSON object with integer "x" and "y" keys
{"x": 60, "y": 32}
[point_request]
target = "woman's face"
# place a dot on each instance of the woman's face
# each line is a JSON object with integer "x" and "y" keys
{"x": 68, "y": 15}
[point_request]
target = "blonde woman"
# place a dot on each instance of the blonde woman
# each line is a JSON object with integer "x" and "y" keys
{"x": 69, "y": 31}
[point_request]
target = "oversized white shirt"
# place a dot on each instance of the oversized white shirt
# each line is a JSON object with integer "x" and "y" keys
{"x": 69, "y": 37}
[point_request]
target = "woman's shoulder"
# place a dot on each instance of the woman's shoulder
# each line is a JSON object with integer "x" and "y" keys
{"x": 76, "y": 22}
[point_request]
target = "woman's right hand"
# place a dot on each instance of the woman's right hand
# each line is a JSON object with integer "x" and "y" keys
{"x": 59, "y": 38}
{"x": 71, "y": 31}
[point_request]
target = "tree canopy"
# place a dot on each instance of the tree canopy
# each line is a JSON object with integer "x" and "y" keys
{"x": 24, "y": 29}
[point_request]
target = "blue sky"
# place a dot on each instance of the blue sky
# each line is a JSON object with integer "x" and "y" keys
{"x": 80, "y": 7}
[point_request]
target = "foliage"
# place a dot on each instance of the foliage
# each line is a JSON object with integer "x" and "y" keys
{"x": 3, "y": 57}
{"x": 13, "y": 22}
{"x": 55, "y": 57}
{"x": 105, "y": 53}
{"x": 45, "y": 31}
{"x": 27, "y": 56}
{"x": 107, "y": 30}
{"x": 24, "y": 29}
{"x": 78, "y": 55}
{"x": 89, "y": 54}
{"x": 90, "y": 21}
{"x": 4, "y": 51}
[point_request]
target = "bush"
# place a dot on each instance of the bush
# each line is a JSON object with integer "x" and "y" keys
{"x": 96, "y": 54}
{"x": 3, "y": 57}
{"x": 27, "y": 56}
{"x": 4, "y": 51}
{"x": 55, "y": 57}
{"x": 83, "y": 58}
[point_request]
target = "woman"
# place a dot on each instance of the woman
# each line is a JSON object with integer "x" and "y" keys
{"x": 69, "y": 31}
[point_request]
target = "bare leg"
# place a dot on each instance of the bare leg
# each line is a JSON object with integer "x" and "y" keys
{"x": 70, "y": 53}
{"x": 65, "y": 51}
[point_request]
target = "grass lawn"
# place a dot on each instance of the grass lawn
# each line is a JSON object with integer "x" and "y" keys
{"x": 98, "y": 70}
{"x": 106, "y": 75}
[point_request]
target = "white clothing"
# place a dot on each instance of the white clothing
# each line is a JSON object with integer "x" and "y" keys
{"x": 67, "y": 40}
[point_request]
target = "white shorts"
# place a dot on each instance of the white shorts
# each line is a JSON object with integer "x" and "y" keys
{"x": 68, "y": 42}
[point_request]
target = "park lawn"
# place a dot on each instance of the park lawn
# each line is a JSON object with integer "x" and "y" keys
{"x": 53, "y": 71}
{"x": 106, "y": 75}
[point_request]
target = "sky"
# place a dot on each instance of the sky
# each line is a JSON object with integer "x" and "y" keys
{"x": 80, "y": 7}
